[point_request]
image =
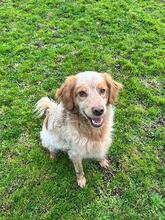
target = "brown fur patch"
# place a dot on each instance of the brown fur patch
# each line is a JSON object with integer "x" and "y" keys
{"x": 103, "y": 85}
{"x": 81, "y": 88}
{"x": 114, "y": 88}
{"x": 65, "y": 92}
{"x": 46, "y": 122}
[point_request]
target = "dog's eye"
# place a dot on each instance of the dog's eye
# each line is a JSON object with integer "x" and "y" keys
{"x": 82, "y": 94}
{"x": 102, "y": 91}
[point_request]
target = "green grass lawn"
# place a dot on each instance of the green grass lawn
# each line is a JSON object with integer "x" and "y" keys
{"x": 42, "y": 42}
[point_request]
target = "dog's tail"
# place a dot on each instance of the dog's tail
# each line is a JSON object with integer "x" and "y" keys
{"x": 43, "y": 106}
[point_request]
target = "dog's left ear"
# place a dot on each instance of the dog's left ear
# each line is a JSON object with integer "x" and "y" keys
{"x": 65, "y": 92}
{"x": 114, "y": 88}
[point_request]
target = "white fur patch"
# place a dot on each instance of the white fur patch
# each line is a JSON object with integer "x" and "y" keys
{"x": 89, "y": 78}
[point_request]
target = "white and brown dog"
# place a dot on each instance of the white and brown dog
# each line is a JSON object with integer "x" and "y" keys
{"x": 81, "y": 124}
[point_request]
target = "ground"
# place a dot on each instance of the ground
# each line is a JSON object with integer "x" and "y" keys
{"x": 42, "y": 42}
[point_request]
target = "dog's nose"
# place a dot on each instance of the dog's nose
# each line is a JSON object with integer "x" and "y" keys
{"x": 99, "y": 110}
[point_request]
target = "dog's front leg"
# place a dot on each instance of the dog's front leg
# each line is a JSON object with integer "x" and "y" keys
{"x": 81, "y": 181}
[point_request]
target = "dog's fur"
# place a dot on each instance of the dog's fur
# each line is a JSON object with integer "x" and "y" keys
{"x": 71, "y": 125}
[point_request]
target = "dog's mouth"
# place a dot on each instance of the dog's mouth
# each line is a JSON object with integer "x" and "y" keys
{"x": 95, "y": 121}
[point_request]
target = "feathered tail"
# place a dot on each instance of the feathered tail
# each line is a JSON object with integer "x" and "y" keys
{"x": 43, "y": 106}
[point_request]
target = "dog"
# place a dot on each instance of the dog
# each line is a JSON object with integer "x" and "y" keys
{"x": 81, "y": 122}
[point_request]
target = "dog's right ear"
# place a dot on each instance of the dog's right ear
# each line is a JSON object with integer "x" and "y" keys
{"x": 66, "y": 91}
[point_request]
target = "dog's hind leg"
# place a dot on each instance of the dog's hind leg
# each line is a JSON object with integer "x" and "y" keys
{"x": 52, "y": 155}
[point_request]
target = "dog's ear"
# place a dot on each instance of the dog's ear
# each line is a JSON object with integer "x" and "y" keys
{"x": 114, "y": 88}
{"x": 66, "y": 91}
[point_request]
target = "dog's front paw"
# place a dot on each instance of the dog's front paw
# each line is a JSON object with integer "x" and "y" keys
{"x": 104, "y": 163}
{"x": 81, "y": 181}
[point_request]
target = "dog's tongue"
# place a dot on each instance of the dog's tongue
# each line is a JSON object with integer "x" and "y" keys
{"x": 97, "y": 121}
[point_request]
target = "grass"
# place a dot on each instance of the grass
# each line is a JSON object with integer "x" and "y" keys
{"x": 42, "y": 42}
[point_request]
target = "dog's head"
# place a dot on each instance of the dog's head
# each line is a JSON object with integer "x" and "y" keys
{"x": 90, "y": 93}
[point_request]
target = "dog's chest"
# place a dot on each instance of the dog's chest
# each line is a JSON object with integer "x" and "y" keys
{"x": 84, "y": 146}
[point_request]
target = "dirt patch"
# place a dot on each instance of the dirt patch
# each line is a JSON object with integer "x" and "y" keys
{"x": 151, "y": 83}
